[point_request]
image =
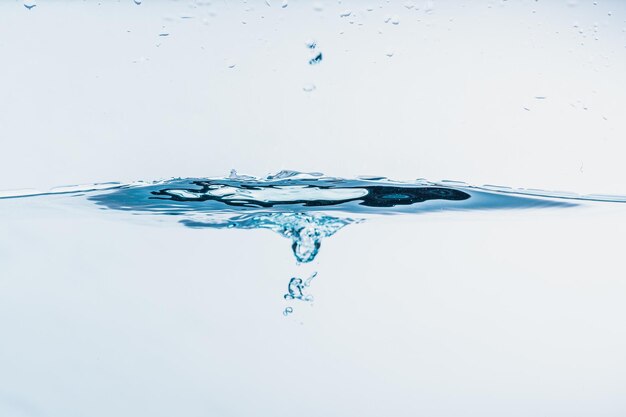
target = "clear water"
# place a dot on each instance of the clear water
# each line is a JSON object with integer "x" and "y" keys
{"x": 297, "y": 293}
{"x": 419, "y": 290}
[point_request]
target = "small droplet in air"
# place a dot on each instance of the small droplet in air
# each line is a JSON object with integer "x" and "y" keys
{"x": 137, "y": 2}
{"x": 395, "y": 20}
{"x": 232, "y": 65}
{"x": 387, "y": 19}
{"x": 287, "y": 311}
{"x": 540, "y": 97}
{"x": 29, "y": 4}
{"x": 164, "y": 34}
{"x": 409, "y": 5}
{"x": 284, "y": 4}
{"x": 316, "y": 59}
{"x": 267, "y": 3}
{"x": 309, "y": 87}
{"x": 389, "y": 53}
{"x": 311, "y": 44}
{"x": 318, "y": 7}
{"x": 345, "y": 13}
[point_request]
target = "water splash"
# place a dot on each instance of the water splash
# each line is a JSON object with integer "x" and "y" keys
{"x": 303, "y": 207}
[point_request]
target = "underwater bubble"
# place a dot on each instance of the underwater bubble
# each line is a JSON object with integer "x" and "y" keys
{"x": 296, "y": 286}
{"x": 29, "y": 4}
{"x": 287, "y": 311}
{"x": 309, "y": 87}
{"x": 294, "y": 289}
{"x": 316, "y": 59}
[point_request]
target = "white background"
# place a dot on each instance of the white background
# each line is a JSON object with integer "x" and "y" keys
{"x": 91, "y": 93}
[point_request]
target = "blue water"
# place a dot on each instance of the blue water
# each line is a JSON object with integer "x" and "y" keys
{"x": 305, "y": 208}
{"x": 308, "y": 207}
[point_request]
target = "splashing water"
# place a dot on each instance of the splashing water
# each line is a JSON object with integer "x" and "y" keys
{"x": 302, "y": 207}
{"x": 305, "y": 207}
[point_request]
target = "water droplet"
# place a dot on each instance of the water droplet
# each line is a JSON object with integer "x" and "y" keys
{"x": 311, "y": 44}
{"x": 232, "y": 65}
{"x": 345, "y": 13}
{"x": 316, "y": 59}
{"x": 29, "y": 4}
{"x": 318, "y": 7}
{"x": 137, "y": 2}
{"x": 309, "y": 87}
{"x": 284, "y": 4}
{"x": 389, "y": 53}
{"x": 287, "y": 311}
{"x": 164, "y": 34}
{"x": 395, "y": 20}
{"x": 267, "y": 3}
{"x": 409, "y": 5}
{"x": 387, "y": 19}
{"x": 541, "y": 97}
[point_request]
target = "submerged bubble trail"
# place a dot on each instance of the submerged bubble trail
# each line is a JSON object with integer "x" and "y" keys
{"x": 296, "y": 286}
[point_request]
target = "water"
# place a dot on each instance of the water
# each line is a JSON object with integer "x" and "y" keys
{"x": 303, "y": 207}
{"x": 389, "y": 287}
{"x": 313, "y": 291}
